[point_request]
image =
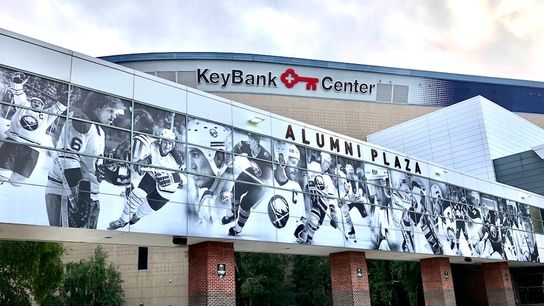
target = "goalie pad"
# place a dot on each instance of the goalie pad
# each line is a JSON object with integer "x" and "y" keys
{"x": 83, "y": 211}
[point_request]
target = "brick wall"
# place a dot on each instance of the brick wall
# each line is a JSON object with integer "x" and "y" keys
{"x": 437, "y": 282}
{"x": 205, "y": 286}
{"x": 498, "y": 284}
{"x": 347, "y": 287}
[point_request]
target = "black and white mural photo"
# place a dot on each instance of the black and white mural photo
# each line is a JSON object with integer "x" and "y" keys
{"x": 210, "y": 174}
{"x": 353, "y": 198}
{"x": 29, "y": 111}
{"x": 75, "y": 157}
{"x": 287, "y": 208}
{"x": 378, "y": 184}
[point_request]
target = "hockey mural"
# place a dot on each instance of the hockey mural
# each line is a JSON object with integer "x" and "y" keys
{"x": 74, "y": 157}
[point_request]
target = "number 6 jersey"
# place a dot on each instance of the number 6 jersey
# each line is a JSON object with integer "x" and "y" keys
{"x": 77, "y": 138}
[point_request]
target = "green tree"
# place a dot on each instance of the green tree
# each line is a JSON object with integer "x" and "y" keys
{"x": 90, "y": 282}
{"x": 262, "y": 279}
{"x": 395, "y": 283}
{"x": 29, "y": 270}
{"x": 311, "y": 280}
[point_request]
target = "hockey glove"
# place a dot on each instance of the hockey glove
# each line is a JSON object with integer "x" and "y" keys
{"x": 80, "y": 205}
{"x": 165, "y": 179}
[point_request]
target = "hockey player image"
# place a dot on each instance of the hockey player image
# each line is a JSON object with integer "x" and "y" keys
{"x": 527, "y": 248}
{"x": 28, "y": 126}
{"x": 286, "y": 176}
{"x": 447, "y": 230}
{"x": 436, "y": 205}
{"x": 208, "y": 144}
{"x": 490, "y": 238}
{"x": 421, "y": 217}
{"x": 353, "y": 194}
{"x": 322, "y": 196}
{"x": 458, "y": 203}
{"x": 379, "y": 191}
{"x": 115, "y": 170}
{"x": 158, "y": 183}
{"x": 74, "y": 168}
{"x": 401, "y": 203}
{"x": 257, "y": 173}
{"x": 474, "y": 217}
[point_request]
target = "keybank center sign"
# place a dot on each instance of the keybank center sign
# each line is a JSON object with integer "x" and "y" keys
{"x": 287, "y": 80}
{"x": 315, "y": 82}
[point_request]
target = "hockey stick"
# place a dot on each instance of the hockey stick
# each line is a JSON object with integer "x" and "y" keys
{"x": 63, "y": 199}
{"x": 337, "y": 227}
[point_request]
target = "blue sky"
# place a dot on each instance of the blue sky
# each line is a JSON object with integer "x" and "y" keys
{"x": 492, "y": 38}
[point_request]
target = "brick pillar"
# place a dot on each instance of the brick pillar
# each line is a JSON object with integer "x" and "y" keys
{"x": 205, "y": 286}
{"x": 347, "y": 287}
{"x": 437, "y": 282}
{"x": 498, "y": 284}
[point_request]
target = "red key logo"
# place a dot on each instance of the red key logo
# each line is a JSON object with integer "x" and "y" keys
{"x": 290, "y": 78}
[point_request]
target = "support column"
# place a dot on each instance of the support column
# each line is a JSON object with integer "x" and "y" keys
{"x": 437, "y": 282}
{"x": 207, "y": 286}
{"x": 349, "y": 277}
{"x": 498, "y": 284}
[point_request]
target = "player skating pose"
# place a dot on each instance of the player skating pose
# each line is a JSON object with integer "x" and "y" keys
{"x": 401, "y": 203}
{"x": 421, "y": 218}
{"x": 379, "y": 191}
{"x": 322, "y": 195}
{"x": 29, "y": 124}
{"x": 458, "y": 203}
{"x": 249, "y": 187}
{"x": 74, "y": 167}
{"x": 158, "y": 183}
{"x": 353, "y": 194}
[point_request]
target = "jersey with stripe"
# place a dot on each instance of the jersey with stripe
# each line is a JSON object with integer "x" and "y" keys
{"x": 168, "y": 161}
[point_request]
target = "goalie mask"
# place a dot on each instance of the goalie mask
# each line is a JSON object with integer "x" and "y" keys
{"x": 208, "y": 138}
{"x": 278, "y": 211}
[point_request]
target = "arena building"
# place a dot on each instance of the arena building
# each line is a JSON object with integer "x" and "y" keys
{"x": 254, "y": 154}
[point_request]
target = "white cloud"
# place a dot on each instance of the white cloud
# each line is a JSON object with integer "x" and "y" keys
{"x": 485, "y": 37}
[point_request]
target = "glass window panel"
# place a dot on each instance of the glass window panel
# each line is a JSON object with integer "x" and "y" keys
{"x": 252, "y": 170}
{"x": 208, "y": 134}
{"x": 100, "y": 108}
{"x": 286, "y": 153}
{"x": 33, "y": 125}
{"x": 322, "y": 162}
{"x": 252, "y": 145}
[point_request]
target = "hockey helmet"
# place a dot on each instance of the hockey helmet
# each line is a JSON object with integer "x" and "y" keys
{"x": 209, "y": 138}
{"x": 283, "y": 151}
{"x": 278, "y": 211}
{"x": 511, "y": 207}
{"x": 375, "y": 173}
{"x": 167, "y": 141}
{"x": 436, "y": 192}
{"x": 168, "y": 134}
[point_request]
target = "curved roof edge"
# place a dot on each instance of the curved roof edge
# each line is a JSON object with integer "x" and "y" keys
{"x": 259, "y": 58}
